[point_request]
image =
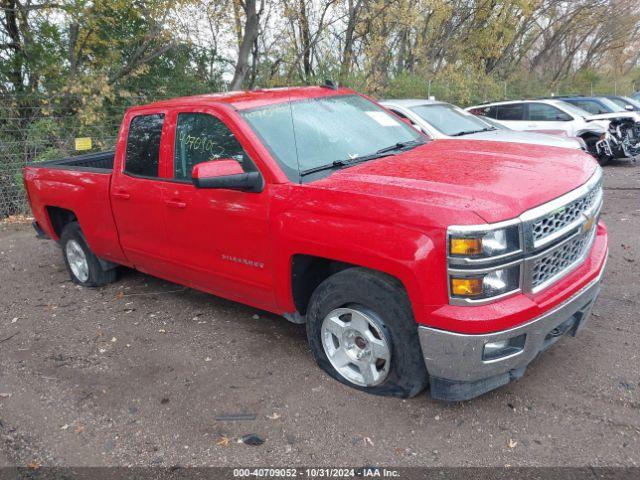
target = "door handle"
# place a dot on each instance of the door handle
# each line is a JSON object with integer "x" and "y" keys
{"x": 121, "y": 194}
{"x": 175, "y": 203}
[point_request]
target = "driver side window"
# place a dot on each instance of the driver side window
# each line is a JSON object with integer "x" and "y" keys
{"x": 540, "y": 112}
{"x": 201, "y": 137}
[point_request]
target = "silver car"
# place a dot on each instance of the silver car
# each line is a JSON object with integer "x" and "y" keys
{"x": 443, "y": 120}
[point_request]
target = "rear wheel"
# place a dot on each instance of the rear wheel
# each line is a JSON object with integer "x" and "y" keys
{"x": 83, "y": 266}
{"x": 361, "y": 331}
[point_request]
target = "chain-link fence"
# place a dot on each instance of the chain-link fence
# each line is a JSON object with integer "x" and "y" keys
{"x": 36, "y": 128}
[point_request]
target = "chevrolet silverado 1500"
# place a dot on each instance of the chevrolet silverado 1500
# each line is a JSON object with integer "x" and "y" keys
{"x": 412, "y": 262}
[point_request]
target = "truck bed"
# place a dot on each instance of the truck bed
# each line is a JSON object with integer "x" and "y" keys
{"x": 101, "y": 162}
{"x": 79, "y": 186}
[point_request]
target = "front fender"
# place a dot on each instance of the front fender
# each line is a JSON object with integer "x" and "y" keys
{"x": 404, "y": 252}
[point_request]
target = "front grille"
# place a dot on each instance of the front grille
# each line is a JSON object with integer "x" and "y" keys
{"x": 554, "y": 222}
{"x": 555, "y": 238}
{"x": 559, "y": 260}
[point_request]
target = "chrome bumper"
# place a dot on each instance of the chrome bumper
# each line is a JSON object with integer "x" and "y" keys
{"x": 455, "y": 361}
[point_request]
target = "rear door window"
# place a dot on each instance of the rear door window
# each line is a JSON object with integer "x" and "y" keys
{"x": 514, "y": 111}
{"x": 490, "y": 111}
{"x": 143, "y": 145}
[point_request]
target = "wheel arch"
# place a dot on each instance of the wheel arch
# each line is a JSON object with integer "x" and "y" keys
{"x": 59, "y": 218}
{"x": 307, "y": 272}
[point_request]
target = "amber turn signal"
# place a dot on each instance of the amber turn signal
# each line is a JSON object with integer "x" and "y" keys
{"x": 466, "y": 287}
{"x": 466, "y": 246}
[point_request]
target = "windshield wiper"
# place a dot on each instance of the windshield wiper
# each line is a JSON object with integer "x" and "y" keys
{"x": 469, "y": 132}
{"x": 383, "y": 152}
{"x": 401, "y": 146}
{"x": 328, "y": 166}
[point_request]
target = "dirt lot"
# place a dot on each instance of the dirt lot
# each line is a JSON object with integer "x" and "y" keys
{"x": 136, "y": 373}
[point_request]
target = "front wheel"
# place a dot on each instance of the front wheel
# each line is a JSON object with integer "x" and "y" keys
{"x": 591, "y": 141}
{"x": 361, "y": 331}
{"x": 83, "y": 266}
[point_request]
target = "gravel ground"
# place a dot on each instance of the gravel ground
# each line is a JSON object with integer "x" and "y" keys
{"x": 136, "y": 373}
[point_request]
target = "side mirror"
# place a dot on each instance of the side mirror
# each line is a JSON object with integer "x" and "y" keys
{"x": 628, "y": 108}
{"x": 225, "y": 173}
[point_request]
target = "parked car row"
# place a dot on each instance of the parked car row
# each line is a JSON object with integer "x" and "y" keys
{"x": 443, "y": 120}
{"x": 609, "y": 126}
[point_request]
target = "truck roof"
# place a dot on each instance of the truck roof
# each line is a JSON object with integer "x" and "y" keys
{"x": 247, "y": 99}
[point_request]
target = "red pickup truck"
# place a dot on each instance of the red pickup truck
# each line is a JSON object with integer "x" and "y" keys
{"x": 412, "y": 262}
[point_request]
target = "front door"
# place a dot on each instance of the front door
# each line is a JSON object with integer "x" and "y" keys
{"x": 543, "y": 117}
{"x": 220, "y": 237}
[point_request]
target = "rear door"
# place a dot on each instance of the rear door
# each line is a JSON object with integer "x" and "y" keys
{"x": 219, "y": 237}
{"x": 137, "y": 192}
{"x": 512, "y": 115}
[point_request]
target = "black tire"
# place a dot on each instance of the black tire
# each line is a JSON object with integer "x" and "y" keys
{"x": 97, "y": 276}
{"x": 384, "y": 298}
{"x": 590, "y": 141}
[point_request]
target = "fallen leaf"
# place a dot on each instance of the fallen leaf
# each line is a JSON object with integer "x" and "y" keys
{"x": 222, "y": 441}
{"x": 79, "y": 428}
{"x": 274, "y": 416}
{"x": 119, "y": 295}
{"x": 33, "y": 465}
{"x": 512, "y": 443}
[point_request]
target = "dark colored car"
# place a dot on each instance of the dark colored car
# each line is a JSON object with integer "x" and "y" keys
{"x": 627, "y": 103}
{"x": 594, "y": 105}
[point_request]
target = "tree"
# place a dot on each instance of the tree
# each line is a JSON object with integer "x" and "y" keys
{"x": 247, "y": 36}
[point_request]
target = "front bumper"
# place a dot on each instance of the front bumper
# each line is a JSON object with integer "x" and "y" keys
{"x": 455, "y": 361}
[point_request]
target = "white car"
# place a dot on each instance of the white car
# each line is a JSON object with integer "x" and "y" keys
{"x": 443, "y": 120}
{"x": 602, "y": 141}
{"x": 546, "y": 114}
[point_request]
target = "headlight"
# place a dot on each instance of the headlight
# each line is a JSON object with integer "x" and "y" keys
{"x": 481, "y": 286}
{"x": 484, "y": 244}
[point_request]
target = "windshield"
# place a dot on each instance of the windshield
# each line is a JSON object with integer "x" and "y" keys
{"x": 624, "y": 101}
{"x": 450, "y": 120}
{"x": 577, "y": 111}
{"x": 611, "y": 105}
{"x": 307, "y": 134}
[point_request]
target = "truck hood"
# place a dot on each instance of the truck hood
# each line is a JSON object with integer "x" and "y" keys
{"x": 496, "y": 180}
{"x": 525, "y": 137}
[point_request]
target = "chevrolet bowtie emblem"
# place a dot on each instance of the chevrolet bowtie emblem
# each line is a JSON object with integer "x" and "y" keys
{"x": 590, "y": 220}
